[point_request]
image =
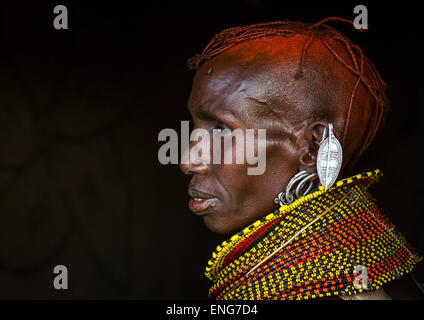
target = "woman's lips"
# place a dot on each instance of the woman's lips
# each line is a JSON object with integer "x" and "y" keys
{"x": 200, "y": 205}
{"x": 200, "y": 201}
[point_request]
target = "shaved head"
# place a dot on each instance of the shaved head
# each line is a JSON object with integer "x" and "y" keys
{"x": 284, "y": 98}
{"x": 317, "y": 52}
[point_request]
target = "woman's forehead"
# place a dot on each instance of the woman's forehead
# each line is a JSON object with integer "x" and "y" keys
{"x": 224, "y": 84}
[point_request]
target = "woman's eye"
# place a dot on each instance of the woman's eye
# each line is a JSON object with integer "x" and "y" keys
{"x": 223, "y": 129}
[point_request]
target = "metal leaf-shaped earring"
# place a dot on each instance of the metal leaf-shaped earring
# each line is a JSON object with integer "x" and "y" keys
{"x": 329, "y": 159}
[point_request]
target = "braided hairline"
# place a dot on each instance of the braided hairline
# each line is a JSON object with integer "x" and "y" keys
{"x": 360, "y": 66}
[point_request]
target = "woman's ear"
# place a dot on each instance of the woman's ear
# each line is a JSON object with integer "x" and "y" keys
{"x": 309, "y": 138}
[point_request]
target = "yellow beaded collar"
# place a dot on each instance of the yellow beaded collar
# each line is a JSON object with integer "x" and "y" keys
{"x": 218, "y": 256}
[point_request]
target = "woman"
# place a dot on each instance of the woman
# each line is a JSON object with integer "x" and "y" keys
{"x": 298, "y": 233}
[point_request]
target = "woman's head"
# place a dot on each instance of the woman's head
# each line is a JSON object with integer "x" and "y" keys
{"x": 292, "y": 85}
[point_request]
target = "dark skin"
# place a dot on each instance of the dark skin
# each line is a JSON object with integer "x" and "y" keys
{"x": 252, "y": 85}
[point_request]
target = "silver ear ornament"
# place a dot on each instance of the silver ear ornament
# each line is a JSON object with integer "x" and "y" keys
{"x": 293, "y": 193}
{"x": 329, "y": 159}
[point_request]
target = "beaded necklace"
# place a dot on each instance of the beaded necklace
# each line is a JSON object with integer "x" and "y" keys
{"x": 314, "y": 247}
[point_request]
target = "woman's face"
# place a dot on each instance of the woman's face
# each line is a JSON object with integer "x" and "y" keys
{"x": 254, "y": 86}
{"x": 226, "y": 96}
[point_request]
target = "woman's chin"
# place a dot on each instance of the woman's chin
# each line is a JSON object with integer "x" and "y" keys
{"x": 218, "y": 226}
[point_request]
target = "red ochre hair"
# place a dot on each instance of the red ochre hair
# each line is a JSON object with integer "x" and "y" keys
{"x": 359, "y": 65}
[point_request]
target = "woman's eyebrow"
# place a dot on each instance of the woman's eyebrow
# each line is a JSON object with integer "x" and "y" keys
{"x": 220, "y": 115}
{"x": 224, "y": 117}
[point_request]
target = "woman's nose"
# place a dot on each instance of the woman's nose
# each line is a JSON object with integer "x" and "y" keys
{"x": 190, "y": 168}
{"x": 189, "y": 165}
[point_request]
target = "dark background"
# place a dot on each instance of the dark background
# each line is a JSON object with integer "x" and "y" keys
{"x": 80, "y": 113}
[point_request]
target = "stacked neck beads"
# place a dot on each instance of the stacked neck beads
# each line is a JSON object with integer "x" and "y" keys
{"x": 327, "y": 236}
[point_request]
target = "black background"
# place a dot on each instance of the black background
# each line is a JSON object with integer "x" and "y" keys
{"x": 80, "y": 113}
